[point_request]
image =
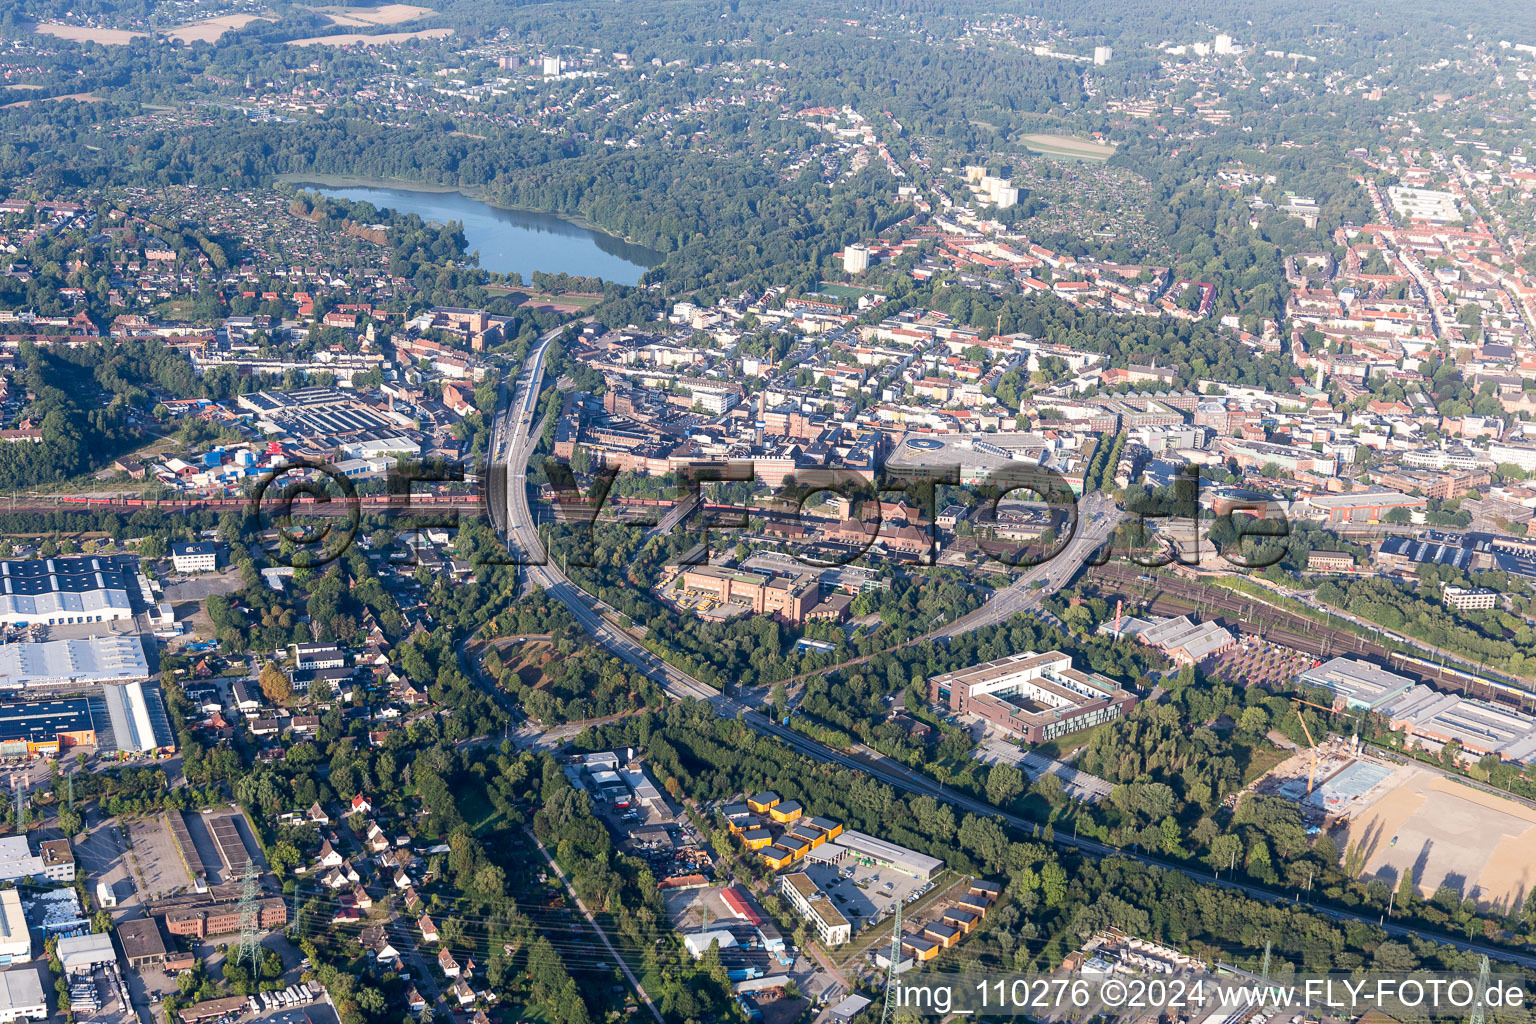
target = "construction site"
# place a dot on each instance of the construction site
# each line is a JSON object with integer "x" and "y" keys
{"x": 1397, "y": 818}
{"x": 1331, "y": 780}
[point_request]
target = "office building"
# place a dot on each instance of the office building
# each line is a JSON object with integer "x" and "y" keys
{"x": 1470, "y": 599}
{"x": 1037, "y": 697}
{"x": 58, "y": 860}
{"x": 830, "y": 926}
{"x": 222, "y": 917}
{"x": 200, "y": 557}
{"x": 855, "y": 259}
{"x": 1103, "y": 55}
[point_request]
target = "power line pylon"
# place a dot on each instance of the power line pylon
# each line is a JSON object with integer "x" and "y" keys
{"x": 888, "y": 1012}
{"x": 250, "y": 919}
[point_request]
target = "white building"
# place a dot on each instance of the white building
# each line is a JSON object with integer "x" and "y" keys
{"x": 1103, "y": 55}
{"x": 56, "y": 591}
{"x": 698, "y": 943}
{"x": 1470, "y": 598}
{"x": 15, "y": 939}
{"x": 1224, "y": 44}
{"x": 831, "y": 927}
{"x": 97, "y": 659}
{"x": 855, "y": 259}
{"x": 21, "y": 995}
{"x": 553, "y": 67}
{"x": 17, "y": 860}
{"x": 81, "y": 953}
{"x": 200, "y": 557}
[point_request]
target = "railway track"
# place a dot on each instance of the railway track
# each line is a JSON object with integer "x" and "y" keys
{"x": 1173, "y": 596}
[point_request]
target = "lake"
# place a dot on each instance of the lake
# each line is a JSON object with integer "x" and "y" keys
{"x": 509, "y": 241}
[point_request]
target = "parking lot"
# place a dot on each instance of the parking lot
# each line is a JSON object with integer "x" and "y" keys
{"x": 865, "y": 893}
{"x": 156, "y": 862}
{"x": 103, "y": 855}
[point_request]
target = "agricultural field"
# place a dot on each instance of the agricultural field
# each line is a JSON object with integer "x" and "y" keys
{"x": 87, "y": 34}
{"x": 387, "y": 14}
{"x": 210, "y": 29}
{"x": 1069, "y": 146}
{"x": 387, "y": 39}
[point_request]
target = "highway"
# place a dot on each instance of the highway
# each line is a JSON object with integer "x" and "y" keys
{"x": 522, "y": 537}
{"x": 1097, "y": 519}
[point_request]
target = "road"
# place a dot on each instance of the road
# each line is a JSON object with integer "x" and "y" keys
{"x": 1097, "y": 519}
{"x": 522, "y": 537}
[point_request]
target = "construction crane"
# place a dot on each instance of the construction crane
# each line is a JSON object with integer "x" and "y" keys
{"x": 1312, "y": 770}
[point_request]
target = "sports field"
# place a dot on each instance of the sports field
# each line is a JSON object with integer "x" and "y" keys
{"x": 1451, "y": 834}
{"x": 1069, "y": 146}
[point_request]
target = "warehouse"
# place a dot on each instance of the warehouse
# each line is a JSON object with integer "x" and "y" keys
{"x": 81, "y": 953}
{"x": 1183, "y": 641}
{"x": 127, "y": 717}
{"x": 1356, "y": 684}
{"x": 65, "y": 590}
{"x": 15, "y": 940}
{"x": 1433, "y": 718}
{"x": 138, "y": 718}
{"x": 93, "y": 660}
{"x": 21, "y": 995}
{"x": 898, "y": 858}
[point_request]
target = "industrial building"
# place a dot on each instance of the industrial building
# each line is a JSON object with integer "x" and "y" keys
{"x": 21, "y": 995}
{"x": 143, "y": 942}
{"x": 15, "y": 939}
{"x": 203, "y": 917}
{"x": 66, "y": 590}
{"x": 831, "y": 927}
{"x": 1360, "y": 506}
{"x": 82, "y": 953}
{"x": 862, "y": 846}
{"x": 1480, "y": 728}
{"x": 17, "y": 860}
{"x": 791, "y": 599}
{"x": 84, "y": 662}
{"x": 1356, "y": 684}
{"x": 126, "y": 717}
{"x": 1037, "y": 697}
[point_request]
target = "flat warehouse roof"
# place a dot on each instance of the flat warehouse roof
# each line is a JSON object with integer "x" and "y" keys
{"x": 40, "y": 721}
{"x": 21, "y": 987}
{"x": 879, "y": 849}
{"x": 92, "y": 659}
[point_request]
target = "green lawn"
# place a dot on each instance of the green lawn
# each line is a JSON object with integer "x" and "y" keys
{"x": 476, "y": 808}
